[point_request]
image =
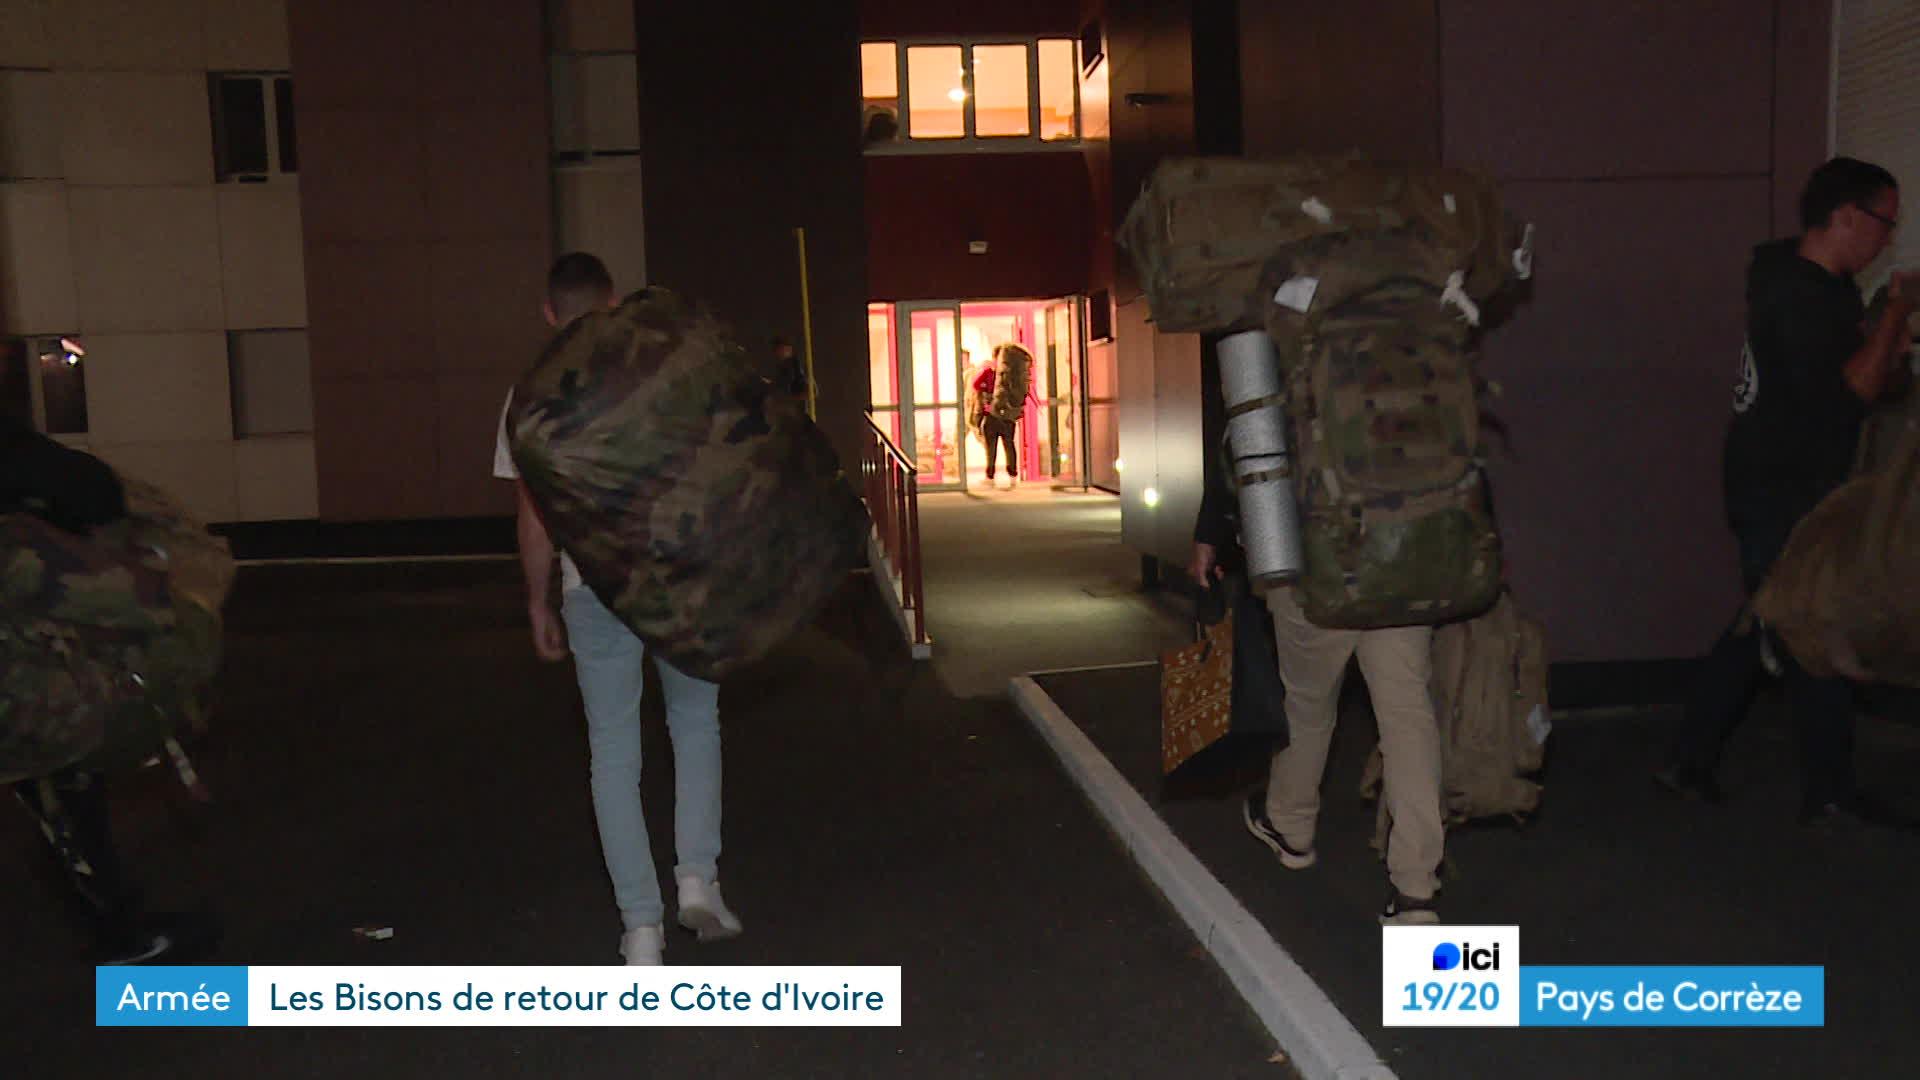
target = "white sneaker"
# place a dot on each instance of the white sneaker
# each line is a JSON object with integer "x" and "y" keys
{"x": 1003, "y": 483}
{"x": 702, "y": 911}
{"x": 641, "y": 946}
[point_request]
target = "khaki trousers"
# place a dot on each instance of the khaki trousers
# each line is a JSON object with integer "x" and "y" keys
{"x": 1397, "y": 664}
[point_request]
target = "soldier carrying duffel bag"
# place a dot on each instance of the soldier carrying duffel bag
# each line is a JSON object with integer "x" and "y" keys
{"x": 106, "y": 644}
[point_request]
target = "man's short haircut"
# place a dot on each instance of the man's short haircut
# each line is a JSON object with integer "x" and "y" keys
{"x": 578, "y": 281}
{"x": 1844, "y": 181}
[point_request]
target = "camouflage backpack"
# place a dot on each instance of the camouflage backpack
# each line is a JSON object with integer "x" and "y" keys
{"x": 1013, "y": 365}
{"x": 1203, "y": 229}
{"x": 711, "y": 517}
{"x": 1384, "y": 425}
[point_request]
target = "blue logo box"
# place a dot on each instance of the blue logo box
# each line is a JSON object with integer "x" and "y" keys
{"x": 1673, "y": 996}
{"x": 202, "y": 996}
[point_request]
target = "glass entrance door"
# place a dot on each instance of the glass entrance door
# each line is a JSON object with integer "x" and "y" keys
{"x": 933, "y": 428}
{"x": 1063, "y": 392}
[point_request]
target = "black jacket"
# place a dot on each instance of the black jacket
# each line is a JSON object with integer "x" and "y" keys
{"x": 1796, "y": 423}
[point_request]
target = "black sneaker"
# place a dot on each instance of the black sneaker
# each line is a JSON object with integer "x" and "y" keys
{"x": 1254, "y": 813}
{"x": 1690, "y": 782}
{"x": 1404, "y": 910}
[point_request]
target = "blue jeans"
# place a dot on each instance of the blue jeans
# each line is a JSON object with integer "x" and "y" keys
{"x": 609, "y": 662}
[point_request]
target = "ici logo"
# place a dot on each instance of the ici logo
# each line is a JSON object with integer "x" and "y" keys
{"x": 1464, "y": 957}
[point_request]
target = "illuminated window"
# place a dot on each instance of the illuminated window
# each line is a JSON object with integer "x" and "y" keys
{"x": 936, "y": 92}
{"x": 1057, "y": 77}
{"x": 880, "y": 92}
{"x": 43, "y": 381}
{"x": 1015, "y": 94}
{"x": 1000, "y": 91}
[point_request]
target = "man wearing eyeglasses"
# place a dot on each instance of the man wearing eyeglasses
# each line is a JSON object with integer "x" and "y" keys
{"x": 1812, "y": 365}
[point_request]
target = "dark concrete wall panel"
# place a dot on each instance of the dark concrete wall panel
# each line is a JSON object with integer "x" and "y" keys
{"x": 1034, "y": 211}
{"x": 935, "y": 18}
{"x": 377, "y": 446}
{"x": 363, "y": 174}
{"x": 426, "y": 214}
{"x": 1571, "y": 89}
{"x": 1328, "y": 78}
{"x": 367, "y": 306}
{"x": 733, "y": 169}
{"x": 1803, "y": 68}
{"x": 1617, "y": 375}
{"x": 354, "y": 54}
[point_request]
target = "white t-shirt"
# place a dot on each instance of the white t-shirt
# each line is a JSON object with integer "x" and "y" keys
{"x": 504, "y": 468}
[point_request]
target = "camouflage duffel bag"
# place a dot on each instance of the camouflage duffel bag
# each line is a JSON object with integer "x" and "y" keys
{"x": 1845, "y": 594}
{"x": 1203, "y": 229}
{"x": 711, "y": 517}
{"x": 108, "y": 641}
{"x": 1384, "y": 427}
{"x": 75, "y": 618}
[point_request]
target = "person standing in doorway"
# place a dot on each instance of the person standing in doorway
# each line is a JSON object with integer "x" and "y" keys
{"x": 609, "y": 663}
{"x": 1002, "y": 391}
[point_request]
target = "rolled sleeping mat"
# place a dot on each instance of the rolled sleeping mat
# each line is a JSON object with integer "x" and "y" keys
{"x": 1262, "y": 471}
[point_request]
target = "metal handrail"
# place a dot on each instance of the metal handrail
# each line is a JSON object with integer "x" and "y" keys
{"x": 893, "y": 499}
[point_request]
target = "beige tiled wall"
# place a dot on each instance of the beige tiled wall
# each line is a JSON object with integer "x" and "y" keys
{"x": 29, "y": 125}
{"x": 146, "y": 258}
{"x": 591, "y": 25}
{"x": 36, "y": 261}
{"x": 262, "y": 267}
{"x": 121, "y": 127}
{"x": 151, "y": 388}
{"x": 23, "y": 34}
{"x": 611, "y": 109}
{"x": 128, "y": 35}
{"x": 274, "y": 478}
{"x": 199, "y": 474}
{"x": 600, "y": 211}
{"x": 246, "y": 35}
{"x": 111, "y": 226}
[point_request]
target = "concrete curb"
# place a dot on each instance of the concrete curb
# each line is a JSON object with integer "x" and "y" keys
{"x": 1321, "y": 1042}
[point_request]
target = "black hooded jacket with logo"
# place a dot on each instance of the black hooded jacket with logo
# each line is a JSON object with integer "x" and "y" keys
{"x": 1795, "y": 420}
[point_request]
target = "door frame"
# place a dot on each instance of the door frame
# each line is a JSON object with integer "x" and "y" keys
{"x": 910, "y": 405}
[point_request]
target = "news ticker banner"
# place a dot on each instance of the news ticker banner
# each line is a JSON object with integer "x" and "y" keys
{"x": 227, "y": 996}
{"x": 1471, "y": 976}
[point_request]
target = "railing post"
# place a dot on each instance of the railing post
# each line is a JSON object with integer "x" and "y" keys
{"x": 915, "y": 582}
{"x": 893, "y": 501}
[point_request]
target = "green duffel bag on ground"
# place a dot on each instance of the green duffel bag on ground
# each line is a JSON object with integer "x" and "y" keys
{"x": 711, "y": 516}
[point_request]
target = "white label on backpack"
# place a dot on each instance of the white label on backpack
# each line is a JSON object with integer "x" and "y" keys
{"x": 1452, "y": 206}
{"x": 1317, "y": 210}
{"x": 1747, "y": 390}
{"x": 1523, "y": 255}
{"x": 1538, "y": 725}
{"x": 1297, "y": 293}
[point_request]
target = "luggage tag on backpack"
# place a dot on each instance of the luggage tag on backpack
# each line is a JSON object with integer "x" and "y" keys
{"x": 1297, "y": 293}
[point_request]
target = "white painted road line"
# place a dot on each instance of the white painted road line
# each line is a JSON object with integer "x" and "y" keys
{"x": 1318, "y": 1038}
